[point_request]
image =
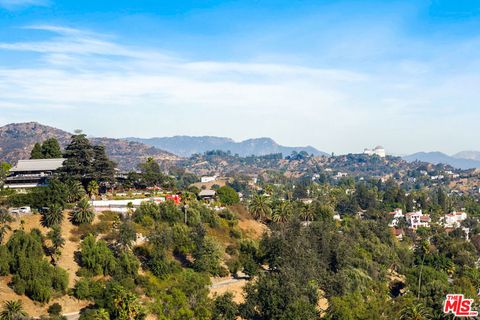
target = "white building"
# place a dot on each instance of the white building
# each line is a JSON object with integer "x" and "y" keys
{"x": 418, "y": 219}
{"x": 454, "y": 219}
{"x": 379, "y": 151}
{"x": 395, "y": 215}
{"x": 208, "y": 179}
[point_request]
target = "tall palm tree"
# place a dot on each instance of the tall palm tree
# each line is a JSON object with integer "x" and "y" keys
{"x": 282, "y": 212}
{"x": 12, "y": 310}
{"x": 55, "y": 236}
{"x": 259, "y": 207}
{"x": 53, "y": 216}
{"x": 83, "y": 212}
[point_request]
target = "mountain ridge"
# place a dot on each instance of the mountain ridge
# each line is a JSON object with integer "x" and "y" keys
{"x": 436, "y": 157}
{"x": 17, "y": 140}
{"x": 185, "y": 146}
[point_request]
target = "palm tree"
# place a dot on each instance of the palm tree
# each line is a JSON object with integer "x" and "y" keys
{"x": 92, "y": 188}
{"x": 414, "y": 311}
{"x": 5, "y": 218}
{"x": 83, "y": 212}
{"x": 12, "y": 310}
{"x": 259, "y": 207}
{"x": 76, "y": 191}
{"x": 3, "y": 231}
{"x": 55, "y": 236}
{"x": 282, "y": 212}
{"x": 53, "y": 216}
{"x": 308, "y": 214}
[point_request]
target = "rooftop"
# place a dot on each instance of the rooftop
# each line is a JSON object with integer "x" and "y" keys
{"x": 38, "y": 165}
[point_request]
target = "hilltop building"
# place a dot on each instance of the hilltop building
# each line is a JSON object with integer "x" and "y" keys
{"x": 32, "y": 173}
{"x": 379, "y": 151}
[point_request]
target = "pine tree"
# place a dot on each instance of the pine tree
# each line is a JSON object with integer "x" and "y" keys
{"x": 51, "y": 149}
{"x": 79, "y": 156}
{"x": 36, "y": 152}
{"x": 103, "y": 168}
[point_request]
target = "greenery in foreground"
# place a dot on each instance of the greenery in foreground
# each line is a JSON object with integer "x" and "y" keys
{"x": 357, "y": 263}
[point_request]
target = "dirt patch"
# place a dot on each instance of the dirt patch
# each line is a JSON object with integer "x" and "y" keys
{"x": 67, "y": 258}
{"x": 252, "y": 228}
{"x": 223, "y": 285}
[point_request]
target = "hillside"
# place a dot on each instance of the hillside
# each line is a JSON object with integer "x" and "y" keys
{"x": 185, "y": 146}
{"x": 470, "y": 155}
{"x": 17, "y": 140}
{"x": 439, "y": 157}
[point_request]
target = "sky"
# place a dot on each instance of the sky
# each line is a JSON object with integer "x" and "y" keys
{"x": 338, "y": 75}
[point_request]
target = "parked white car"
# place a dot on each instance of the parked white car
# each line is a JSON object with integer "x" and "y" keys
{"x": 25, "y": 210}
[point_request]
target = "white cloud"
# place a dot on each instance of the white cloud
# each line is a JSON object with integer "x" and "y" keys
{"x": 86, "y": 79}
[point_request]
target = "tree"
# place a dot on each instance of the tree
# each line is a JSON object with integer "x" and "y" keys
{"x": 12, "y": 310}
{"x": 96, "y": 257}
{"x": 92, "y": 188}
{"x": 126, "y": 234}
{"x": 282, "y": 212}
{"x": 55, "y": 309}
{"x": 123, "y": 305}
{"x": 151, "y": 174}
{"x": 259, "y": 207}
{"x": 79, "y": 155}
{"x": 36, "y": 152}
{"x": 5, "y": 218}
{"x": 53, "y": 216}
{"x": 227, "y": 195}
{"x": 103, "y": 168}
{"x": 4, "y": 169}
{"x": 51, "y": 149}
{"x": 55, "y": 236}
{"x": 414, "y": 311}
{"x": 75, "y": 190}
{"x": 82, "y": 213}
{"x": 224, "y": 308}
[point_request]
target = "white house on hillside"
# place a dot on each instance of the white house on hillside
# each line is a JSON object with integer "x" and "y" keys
{"x": 395, "y": 215}
{"x": 418, "y": 219}
{"x": 454, "y": 219}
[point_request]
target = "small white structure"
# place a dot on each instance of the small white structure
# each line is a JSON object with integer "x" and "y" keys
{"x": 208, "y": 179}
{"x": 454, "y": 219}
{"x": 122, "y": 206}
{"x": 395, "y": 215}
{"x": 418, "y": 219}
{"x": 378, "y": 150}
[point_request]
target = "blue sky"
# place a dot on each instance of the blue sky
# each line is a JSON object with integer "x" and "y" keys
{"x": 338, "y": 75}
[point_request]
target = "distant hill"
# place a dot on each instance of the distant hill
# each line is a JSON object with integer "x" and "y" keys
{"x": 17, "y": 140}
{"x": 470, "y": 155}
{"x": 185, "y": 146}
{"x": 439, "y": 157}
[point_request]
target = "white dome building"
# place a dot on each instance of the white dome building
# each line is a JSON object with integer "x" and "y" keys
{"x": 379, "y": 151}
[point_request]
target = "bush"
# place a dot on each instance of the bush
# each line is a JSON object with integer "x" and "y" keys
{"x": 228, "y": 196}
{"x": 54, "y": 309}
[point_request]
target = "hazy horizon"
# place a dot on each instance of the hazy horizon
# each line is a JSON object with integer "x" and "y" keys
{"x": 340, "y": 76}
